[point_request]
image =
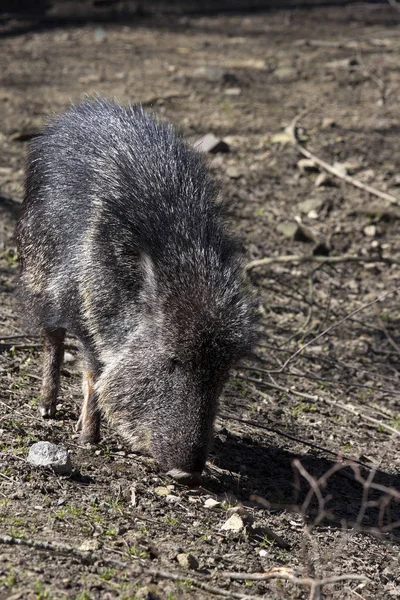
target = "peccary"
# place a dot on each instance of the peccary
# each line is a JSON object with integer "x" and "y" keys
{"x": 122, "y": 244}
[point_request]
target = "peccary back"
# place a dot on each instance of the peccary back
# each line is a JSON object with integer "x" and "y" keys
{"x": 122, "y": 244}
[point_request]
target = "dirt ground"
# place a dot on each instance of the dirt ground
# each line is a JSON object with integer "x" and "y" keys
{"x": 116, "y": 527}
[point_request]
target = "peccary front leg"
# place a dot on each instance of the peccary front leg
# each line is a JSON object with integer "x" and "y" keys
{"x": 52, "y": 360}
{"x": 89, "y": 421}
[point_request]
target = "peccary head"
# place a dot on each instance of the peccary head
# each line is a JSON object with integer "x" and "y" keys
{"x": 162, "y": 388}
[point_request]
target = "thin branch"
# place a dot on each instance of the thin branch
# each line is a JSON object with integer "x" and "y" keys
{"x": 285, "y": 573}
{"x": 353, "y": 411}
{"x": 334, "y": 325}
{"x": 298, "y": 259}
{"x": 137, "y": 569}
{"x": 292, "y": 131}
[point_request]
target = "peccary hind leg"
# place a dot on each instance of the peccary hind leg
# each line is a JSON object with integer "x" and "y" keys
{"x": 52, "y": 360}
{"x": 89, "y": 421}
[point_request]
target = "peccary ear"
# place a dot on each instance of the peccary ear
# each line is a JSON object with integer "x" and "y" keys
{"x": 149, "y": 286}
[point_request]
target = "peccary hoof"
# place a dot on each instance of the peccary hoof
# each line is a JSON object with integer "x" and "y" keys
{"x": 189, "y": 479}
{"x": 47, "y": 411}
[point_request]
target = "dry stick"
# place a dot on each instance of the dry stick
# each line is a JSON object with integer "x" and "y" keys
{"x": 330, "y": 382}
{"x": 137, "y": 569}
{"x": 344, "y": 258}
{"x": 316, "y": 399}
{"x": 284, "y": 573}
{"x": 13, "y": 410}
{"x": 280, "y": 388}
{"x": 292, "y": 132}
{"x": 330, "y": 361}
{"x": 355, "y": 412}
{"x": 333, "y": 326}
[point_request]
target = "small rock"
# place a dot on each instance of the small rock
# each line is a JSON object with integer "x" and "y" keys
{"x": 370, "y": 230}
{"x": 322, "y": 180}
{"x": 161, "y": 491}
{"x": 210, "y": 143}
{"x": 263, "y": 553}
{"x": 187, "y": 561}
{"x": 312, "y": 214}
{"x": 234, "y": 523}
{"x": 311, "y": 204}
{"x": 306, "y": 165}
{"x": 211, "y": 503}
{"x": 89, "y": 545}
{"x": 234, "y": 91}
{"x": 45, "y": 454}
{"x": 99, "y": 34}
{"x": 327, "y": 123}
{"x": 242, "y": 512}
{"x": 287, "y": 228}
{"x": 305, "y": 234}
{"x": 171, "y": 499}
{"x": 233, "y": 172}
{"x": 215, "y": 75}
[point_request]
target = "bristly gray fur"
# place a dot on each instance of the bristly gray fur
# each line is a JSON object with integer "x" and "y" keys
{"x": 122, "y": 244}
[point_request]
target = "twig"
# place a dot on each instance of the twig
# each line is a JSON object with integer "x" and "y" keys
{"x": 353, "y": 411}
{"x": 137, "y": 569}
{"x": 387, "y": 334}
{"x": 280, "y": 388}
{"x": 330, "y": 382}
{"x": 13, "y": 410}
{"x": 334, "y": 325}
{"x": 285, "y": 573}
{"x": 344, "y": 258}
{"x": 292, "y": 131}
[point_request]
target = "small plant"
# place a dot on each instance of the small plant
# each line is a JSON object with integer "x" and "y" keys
{"x": 303, "y": 407}
{"x": 170, "y": 520}
{"x": 107, "y": 574}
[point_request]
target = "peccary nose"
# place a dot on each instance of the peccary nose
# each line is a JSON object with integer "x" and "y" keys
{"x": 189, "y": 479}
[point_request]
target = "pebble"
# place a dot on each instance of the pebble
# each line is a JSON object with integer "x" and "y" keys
{"x": 233, "y": 172}
{"x": 89, "y": 545}
{"x": 234, "y": 523}
{"x": 370, "y": 230}
{"x": 311, "y": 204}
{"x": 187, "y": 561}
{"x": 287, "y": 228}
{"x": 161, "y": 491}
{"x": 171, "y": 499}
{"x": 211, "y": 503}
{"x": 215, "y": 75}
{"x": 45, "y": 454}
